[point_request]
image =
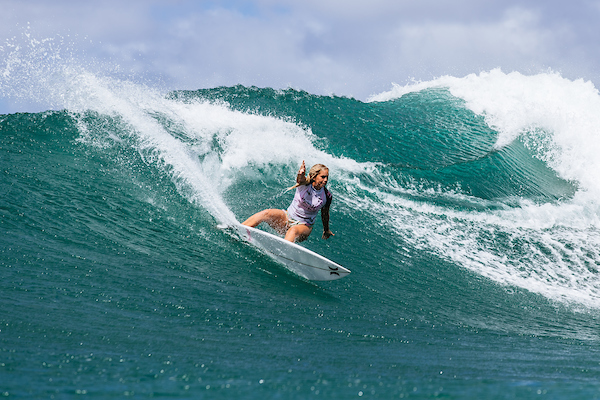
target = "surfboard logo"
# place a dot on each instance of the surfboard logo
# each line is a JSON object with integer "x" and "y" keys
{"x": 333, "y": 271}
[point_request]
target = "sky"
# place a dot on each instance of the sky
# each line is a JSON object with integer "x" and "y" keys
{"x": 347, "y": 48}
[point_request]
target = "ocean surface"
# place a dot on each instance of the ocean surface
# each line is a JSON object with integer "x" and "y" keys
{"x": 467, "y": 209}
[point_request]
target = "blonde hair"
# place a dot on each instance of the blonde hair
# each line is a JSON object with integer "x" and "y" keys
{"x": 312, "y": 174}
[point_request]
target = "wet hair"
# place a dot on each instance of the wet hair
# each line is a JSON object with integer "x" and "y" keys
{"x": 312, "y": 174}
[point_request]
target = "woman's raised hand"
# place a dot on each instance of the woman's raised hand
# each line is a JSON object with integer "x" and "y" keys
{"x": 302, "y": 169}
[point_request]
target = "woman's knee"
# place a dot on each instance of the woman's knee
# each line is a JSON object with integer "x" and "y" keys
{"x": 298, "y": 233}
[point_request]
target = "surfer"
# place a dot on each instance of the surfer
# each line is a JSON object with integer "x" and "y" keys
{"x": 296, "y": 223}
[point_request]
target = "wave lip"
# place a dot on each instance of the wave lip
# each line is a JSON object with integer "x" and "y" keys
{"x": 555, "y": 117}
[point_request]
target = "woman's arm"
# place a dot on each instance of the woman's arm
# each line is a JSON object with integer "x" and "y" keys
{"x": 301, "y": 177}
{"x": 325, "y": 219}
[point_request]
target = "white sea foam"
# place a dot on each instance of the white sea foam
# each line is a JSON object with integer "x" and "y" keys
{"x": 551, "y": 249}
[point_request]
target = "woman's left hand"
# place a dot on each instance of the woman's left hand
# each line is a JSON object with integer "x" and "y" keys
{"x": 327, "y": 234}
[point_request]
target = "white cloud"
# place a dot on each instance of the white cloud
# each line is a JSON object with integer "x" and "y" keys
{"x": 513, "y": 39}
{"x": 345, "y": 47}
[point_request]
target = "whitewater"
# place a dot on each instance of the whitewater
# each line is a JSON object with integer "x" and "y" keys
{"x": 466, "y": 208}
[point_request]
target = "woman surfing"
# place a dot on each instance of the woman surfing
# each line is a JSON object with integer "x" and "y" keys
{"x": 311, "y": 196}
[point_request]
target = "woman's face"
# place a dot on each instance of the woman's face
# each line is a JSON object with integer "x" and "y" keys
{"x": 321, "y": 179}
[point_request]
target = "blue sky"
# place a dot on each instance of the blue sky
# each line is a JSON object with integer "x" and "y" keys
{"x": 349, "y": 48}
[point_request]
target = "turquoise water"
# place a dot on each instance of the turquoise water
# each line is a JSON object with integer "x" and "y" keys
{"x": 466, "y": 209}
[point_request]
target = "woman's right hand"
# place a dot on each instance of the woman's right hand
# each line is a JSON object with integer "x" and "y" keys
{"x": 301, "y": 178}
{"x": 302, "y": 169}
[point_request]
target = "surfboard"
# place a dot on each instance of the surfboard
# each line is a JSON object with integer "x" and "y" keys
{"x": 296, "y": 258}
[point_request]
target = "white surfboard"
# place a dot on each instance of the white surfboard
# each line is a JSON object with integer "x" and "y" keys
{"x": 296, "y": 258}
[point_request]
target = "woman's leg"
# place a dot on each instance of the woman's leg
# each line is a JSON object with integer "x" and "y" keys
{"x": 277, "y": 219}
{"x": 298, "y": 233}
